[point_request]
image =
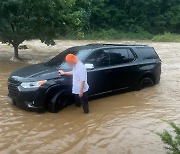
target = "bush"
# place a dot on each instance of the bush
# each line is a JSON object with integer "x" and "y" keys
{"x": 114, "y": 34}
{"x": 172, "y": 143}
{"x": 110, "y": 34}
{"x": 167, "y": 37}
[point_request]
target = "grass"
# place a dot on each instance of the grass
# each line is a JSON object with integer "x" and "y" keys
{"x": 167, "y": 37}
{"x": 117, "y": 35}
{"x": 112, "y": 34}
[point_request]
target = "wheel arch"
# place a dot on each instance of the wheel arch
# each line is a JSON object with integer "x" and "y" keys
{"x": 149, "y": 75}
{"x": 54, "y": 91}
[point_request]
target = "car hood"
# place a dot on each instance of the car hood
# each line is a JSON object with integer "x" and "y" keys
{"x": 35, "y": 72}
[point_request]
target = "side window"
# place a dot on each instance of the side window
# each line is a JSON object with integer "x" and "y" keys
{"x": 99, "y": 59}
{"x": 148, "y": 53}
{"x": 118, "y": 56}
{"x": 131, "y": 56}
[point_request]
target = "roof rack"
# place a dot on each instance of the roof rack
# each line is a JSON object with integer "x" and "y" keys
{"x": 125, "y": 44}
{"x": 96, "y": 44}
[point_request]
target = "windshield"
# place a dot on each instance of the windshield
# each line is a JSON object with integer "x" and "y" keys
{"x": 59, "y": 60}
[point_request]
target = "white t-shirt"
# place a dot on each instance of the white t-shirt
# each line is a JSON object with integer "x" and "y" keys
{"x": 79, "y": 75}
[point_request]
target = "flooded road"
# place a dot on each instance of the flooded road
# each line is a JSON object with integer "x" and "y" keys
{"x": 119, "y": 124}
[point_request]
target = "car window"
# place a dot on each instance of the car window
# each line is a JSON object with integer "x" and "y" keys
{"x": 118, "y": 56}
{"x": 99, "y": 59}
{"x": 131, "y": 55}
{"x": 148, "y": 53}
{"x": 59, "y": 60}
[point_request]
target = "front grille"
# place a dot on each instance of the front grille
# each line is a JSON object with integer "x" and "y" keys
{"x": 13, "y": 87}
{"x": 14, "y": 82}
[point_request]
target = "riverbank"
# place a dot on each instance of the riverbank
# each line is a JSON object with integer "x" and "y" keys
{"x": 112, "y": 34}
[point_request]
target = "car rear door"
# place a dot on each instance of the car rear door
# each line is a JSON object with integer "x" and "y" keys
{"x": 122, "y": 74}
{"x": 98, "y": 76}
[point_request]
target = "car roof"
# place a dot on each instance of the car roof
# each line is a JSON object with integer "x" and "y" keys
{"x": 100, "y": 45}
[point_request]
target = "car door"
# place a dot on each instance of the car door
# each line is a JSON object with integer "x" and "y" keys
{"x": 98, "y": 76}
{"x": 122, "y": 74}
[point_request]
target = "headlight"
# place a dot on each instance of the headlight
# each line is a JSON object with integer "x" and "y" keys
{"x": 33, "y": 84}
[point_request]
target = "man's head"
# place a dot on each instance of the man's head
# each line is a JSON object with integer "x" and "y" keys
{"x": 71, "y": 60}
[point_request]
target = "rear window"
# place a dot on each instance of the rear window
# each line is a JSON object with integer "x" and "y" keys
{"x": 148, "y": 53}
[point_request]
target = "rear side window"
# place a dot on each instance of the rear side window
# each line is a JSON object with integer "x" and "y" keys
{"x": 120, "y": 56}
{"x": 148, "y": 53}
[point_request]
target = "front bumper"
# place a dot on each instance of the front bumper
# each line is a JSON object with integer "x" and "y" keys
{"x": 25, "y": 105}
{"x": 28, "y": 99}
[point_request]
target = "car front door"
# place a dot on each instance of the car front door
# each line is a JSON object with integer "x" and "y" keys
{"x": 121, "y": 75}
{"x": 98, "y": 76}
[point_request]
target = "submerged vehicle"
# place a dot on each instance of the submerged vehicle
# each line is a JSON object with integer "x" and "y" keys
{"x": 111, "y": 67}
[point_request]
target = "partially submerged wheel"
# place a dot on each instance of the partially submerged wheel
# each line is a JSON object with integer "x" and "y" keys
{"x": 58, "y": 102}
{"x": 145, "y": 82}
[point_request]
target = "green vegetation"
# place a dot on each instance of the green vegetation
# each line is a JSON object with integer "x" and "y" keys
{"x": 157, "y": 20}
{"x": 110, "y": 34}
{"x": 167, "y": 37}
{"x": 22, "y": 20}
{"x": 113, "y": 34}
{"x": 129, "y": 19}
{"x": 172, "y": 142}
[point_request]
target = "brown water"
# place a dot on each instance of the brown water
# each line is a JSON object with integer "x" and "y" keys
{"x": 119, "y": 124}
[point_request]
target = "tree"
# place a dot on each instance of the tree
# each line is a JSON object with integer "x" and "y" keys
{"x": 22, "y": 20}
{"x": 154, "y": 16}
{"x": 172, "y": 142}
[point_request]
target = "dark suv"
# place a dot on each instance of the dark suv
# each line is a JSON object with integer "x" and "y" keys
{"x": 111, "y": 67}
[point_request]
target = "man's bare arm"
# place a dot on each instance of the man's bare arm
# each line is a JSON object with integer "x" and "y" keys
{"x": 81, "y": 88}
{"x": 61, "y": 72}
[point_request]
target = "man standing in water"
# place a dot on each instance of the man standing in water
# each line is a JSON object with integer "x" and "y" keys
{"x": 80, "y": 86}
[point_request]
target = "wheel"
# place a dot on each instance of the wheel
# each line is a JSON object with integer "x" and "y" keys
{"x": 58, "y": 102}
{"x": 145, "y": 82}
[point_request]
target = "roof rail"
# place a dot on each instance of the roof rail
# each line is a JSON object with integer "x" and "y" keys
{"x": 104, "y": 44}
{"x": 91, "y": 44}
{"x": 125, "y": 44}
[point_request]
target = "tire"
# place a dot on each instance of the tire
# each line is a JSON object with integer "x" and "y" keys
{"x": 145, "y": 82}
{"x": 58, "y": 102}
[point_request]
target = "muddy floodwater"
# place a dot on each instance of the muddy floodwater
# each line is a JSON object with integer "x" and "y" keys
{"x": 119, "y": 124}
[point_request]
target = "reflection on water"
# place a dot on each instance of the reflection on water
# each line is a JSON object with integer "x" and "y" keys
{"x": 117, "y": 124}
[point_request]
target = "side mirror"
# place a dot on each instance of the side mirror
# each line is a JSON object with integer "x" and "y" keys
{"x": 89, "y": 66}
